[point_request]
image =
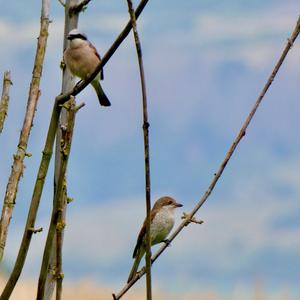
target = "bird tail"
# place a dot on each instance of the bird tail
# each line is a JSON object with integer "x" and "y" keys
{"x": 135, "y": 266}
{"x": 100, "y": 93}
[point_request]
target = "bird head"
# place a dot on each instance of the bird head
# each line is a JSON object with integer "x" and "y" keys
{"x": 166, "y": 202}
{"x": 76, "y": 34}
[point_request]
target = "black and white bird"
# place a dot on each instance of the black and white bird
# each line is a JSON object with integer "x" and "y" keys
{"x": 82, "y": 58}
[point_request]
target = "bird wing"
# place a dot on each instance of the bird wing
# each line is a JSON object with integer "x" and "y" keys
{"x": 97, "y": 54}
{"x": 142, "y": 234}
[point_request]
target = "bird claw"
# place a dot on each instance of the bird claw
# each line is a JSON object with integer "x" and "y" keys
{"x": 167, "y": 242}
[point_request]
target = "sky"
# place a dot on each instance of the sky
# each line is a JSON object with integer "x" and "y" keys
{"x": 205, "y": 64}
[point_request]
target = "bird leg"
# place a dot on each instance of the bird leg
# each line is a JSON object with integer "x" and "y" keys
{"x": 167, "y": 242}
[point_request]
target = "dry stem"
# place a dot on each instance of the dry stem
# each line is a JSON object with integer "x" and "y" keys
{"x": 81, "y": 6}
{"x": 18, "y": 164}
{"x": 218, "y": 174}
{"x": 146, "y": 149}
{"x": 4, "y": 99}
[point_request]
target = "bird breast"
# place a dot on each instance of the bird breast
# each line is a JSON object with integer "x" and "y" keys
{"x": 81, "y": 59}
{"x": 161, "y": 225}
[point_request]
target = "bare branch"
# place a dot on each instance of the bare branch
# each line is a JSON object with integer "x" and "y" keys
{"x": 33, "y": 230}
{"x": 218, "y": 174}
{"x": 62, "y": 3}
{"x": 4, "y": 98}
{"x": 80, "y": 106}
{"x": 146, "y": 149}
{"x": 83, "y": 83}
{"x": 51, "y": 268}
{"x": 76, "y": 9}
{"x": 188, "y": 219}
{"x": 57, "y": 223}
{"x": 60, "y": 200}
{"x": 18, "y": 165}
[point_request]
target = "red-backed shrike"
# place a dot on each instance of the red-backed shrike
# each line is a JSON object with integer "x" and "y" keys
{"x": 82, "y": 58}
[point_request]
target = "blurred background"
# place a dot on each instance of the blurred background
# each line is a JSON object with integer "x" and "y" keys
{"x": 205, "y": 64}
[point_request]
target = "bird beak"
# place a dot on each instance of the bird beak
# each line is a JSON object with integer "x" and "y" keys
{"x": 68, "y": 37}
{"x": 178, "y": 205}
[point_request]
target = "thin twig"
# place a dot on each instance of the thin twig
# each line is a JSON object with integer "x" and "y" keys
{"x": 218, "y": 174}
{"x": 18, "y": 163}
{"x": 80, "y": 106}
{"x": 83, "y": 83}
{"x": 4, "y": 98}
{"x": 62, "y": 3}
{"x": 188, "y": 219}
{"x": 36, "y": 230}
{"x": 146, "y": 149}
{"x": 76, "y": 9}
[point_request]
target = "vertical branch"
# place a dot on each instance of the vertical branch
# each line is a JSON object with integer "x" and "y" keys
{"x": 146, "y": 148}
{"x": 51, "y": 268}
{"x": 4, "y": 98}
{"x": 188, "y": 218}
{"x": 66, "y": 141}
{"x": 18, "y": 165}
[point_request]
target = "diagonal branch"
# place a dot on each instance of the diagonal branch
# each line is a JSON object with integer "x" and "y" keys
{"x": 18, "y": 163}
{"x": 81, "y": 6}
{"x": 83, "y": 83}
{"x": 62, "y": 3}
{"x": 229, "y": 154}
{"x": 4, "y": 98}
{"x": 146, "y": 149}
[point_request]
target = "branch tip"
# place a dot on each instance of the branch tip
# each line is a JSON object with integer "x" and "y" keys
{"x": 35, "y": 230}
{"x": 81, "y": 105}
{"x": 69, "y": 200}
{"x": 62, "y": 3}
{"x": 188, "y": 219}
{"x": 80, "y": 7}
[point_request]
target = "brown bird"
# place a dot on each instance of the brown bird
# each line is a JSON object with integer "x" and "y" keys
{"x": 162, "y": 222}
{"x": 82, "y": 58}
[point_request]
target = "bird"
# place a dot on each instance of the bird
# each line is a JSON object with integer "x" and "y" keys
{"x": 82, "y": 58}
{"x": 162, "y": 222}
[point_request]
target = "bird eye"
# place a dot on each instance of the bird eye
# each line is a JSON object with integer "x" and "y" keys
{"x": 170, "y": 202}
